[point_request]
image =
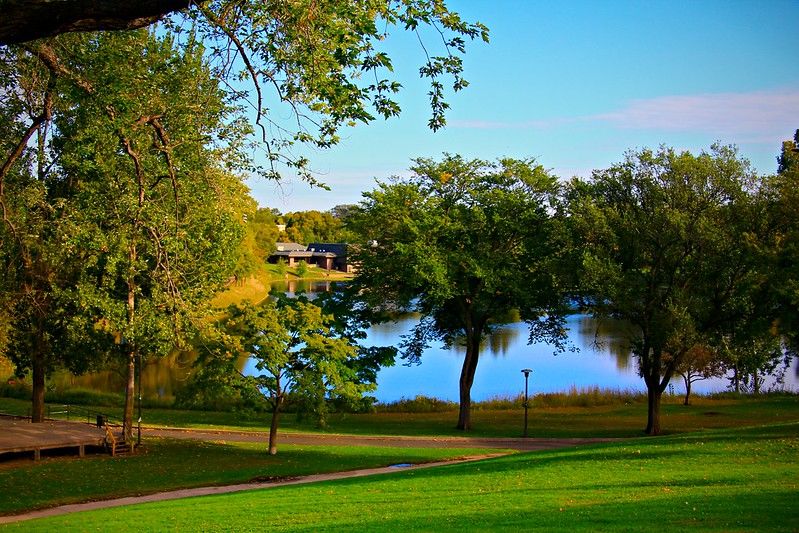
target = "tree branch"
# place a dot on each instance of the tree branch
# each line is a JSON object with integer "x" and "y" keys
{"x": 16, "y": 153}
{"x": 27, "y": 20}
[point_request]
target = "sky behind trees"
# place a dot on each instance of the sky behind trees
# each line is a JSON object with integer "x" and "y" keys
{"x": 576, "y": 85}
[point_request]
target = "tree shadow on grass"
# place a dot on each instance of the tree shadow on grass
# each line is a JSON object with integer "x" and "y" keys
{"x": 647, "y": 454}
{"x": 736, "y": 510}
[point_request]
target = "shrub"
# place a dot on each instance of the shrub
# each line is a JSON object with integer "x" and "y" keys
{"x": 85, "y": 397}
{"x": 588, "y": 397}
{"x": 15, "y": 388}
{"x": 420, "y": 404}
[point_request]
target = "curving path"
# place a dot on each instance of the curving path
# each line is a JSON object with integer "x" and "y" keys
{"x": 520, "y": 444}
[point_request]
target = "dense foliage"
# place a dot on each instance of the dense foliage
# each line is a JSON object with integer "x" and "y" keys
{"x": 673, "y": 245}
{"x": 462, "y": 243}
{"x": 120, "y": 193}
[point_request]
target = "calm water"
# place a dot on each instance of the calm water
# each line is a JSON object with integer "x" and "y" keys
{"x": 602, "y": 360}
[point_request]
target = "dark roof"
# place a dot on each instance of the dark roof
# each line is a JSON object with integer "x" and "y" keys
{"x": 340, "y": 248}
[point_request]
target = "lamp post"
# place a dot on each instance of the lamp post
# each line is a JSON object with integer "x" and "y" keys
{"x": 526, "y": 372}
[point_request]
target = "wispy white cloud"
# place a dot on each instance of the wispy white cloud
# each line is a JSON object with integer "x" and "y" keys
{"x": 760, "y": 113}
{"x": 758, "y": 116}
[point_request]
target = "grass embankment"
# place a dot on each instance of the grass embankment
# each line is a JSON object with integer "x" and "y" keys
{"x": 719, "y": 480}
{"x": 170, "y": 464}
{"x": 614, "y": 420}
{"x": 255, "y": 288}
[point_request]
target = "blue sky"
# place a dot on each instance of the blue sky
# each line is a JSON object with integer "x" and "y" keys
{"x": 576, "y": 84}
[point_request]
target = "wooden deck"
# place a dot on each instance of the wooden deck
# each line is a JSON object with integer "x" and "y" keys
{"x": 18, "y": 435}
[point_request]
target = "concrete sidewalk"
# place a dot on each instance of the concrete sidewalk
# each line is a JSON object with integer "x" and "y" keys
{"x": 225, "y": 489}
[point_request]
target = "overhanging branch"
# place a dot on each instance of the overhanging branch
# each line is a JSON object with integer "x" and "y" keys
{"x": 28, "y": 20}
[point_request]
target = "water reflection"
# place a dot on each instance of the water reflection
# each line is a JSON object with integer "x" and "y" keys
{"x": 160, "y": 379}
{"x": 609, "y": 336}
{"x": 602, "y": 359}
{"x": 310, "y": 287}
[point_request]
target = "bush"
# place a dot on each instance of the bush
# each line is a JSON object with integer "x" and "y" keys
{"x": 501, "y": 403}
{"x": 732, "y": 395}
{"x": 588, "y": 397}
{"x": 85, "y": 397}
{"x": 15, "y": 388}
{"x": 420, "y": 404}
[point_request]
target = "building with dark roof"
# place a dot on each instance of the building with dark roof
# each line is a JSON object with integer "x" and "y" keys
{"x": 326, "y": 255}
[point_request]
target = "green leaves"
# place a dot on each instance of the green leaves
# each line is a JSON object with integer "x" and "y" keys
{"x": 462, "y": 242}
{"x": 669, "y": 240}
{"x": 322, "y": 63}
{"x": 300, "y": 351}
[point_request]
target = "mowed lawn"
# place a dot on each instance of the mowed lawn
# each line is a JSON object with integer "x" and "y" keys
{"x": 169, "y": 464}
{"x": 727, "y": 480}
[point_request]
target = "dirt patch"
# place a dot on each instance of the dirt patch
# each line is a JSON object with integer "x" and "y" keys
{"x": 273, "y": 479}
{"x": 323, "y": 439}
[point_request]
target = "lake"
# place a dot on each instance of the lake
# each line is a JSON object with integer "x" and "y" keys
{"x": 602, "y": 359}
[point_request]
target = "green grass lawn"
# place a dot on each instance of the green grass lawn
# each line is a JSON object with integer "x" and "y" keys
{"x": 598, "y": 421}
{"x": 717, "y": 480}
{"x": 169, "y": 464}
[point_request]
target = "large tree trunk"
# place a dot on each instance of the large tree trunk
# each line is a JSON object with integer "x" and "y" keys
{"x": 273, "y": 427}
{"x": 656, "y": 383}
{"x": 130, "y": 387}
{"x": 653, "y": 410}
{"x": 467, "y": 378}
{"x": 37, "y": 397}
{"x": 38, "y": 370}
{"x": 127, "y": 417}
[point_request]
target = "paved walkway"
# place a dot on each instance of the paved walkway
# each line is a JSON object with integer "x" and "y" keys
{"x": 205, "y": 491}
{"x": 521, "y": 444}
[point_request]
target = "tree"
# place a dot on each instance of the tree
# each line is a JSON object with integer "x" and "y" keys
{"x": 297, "y": 353}
{"x": 156, "y": 214}
{"x": 312, "y": 57}
{"x": 342, "y": 211}
{"x": 281, "y": 267}
{"x": 751, "y": 359}
{"x": 462, "y": 243}
{"x": 665, "y": 249}
{"x": 698, "y": 363}
{"x": 320, "y": 63}
{"x": 259, "y": 240}
{"x": 783, "y": 201}
{"x": 33, "y": 202}
{"x": 305, "y": 227}
{"x": 302, "y": 269}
